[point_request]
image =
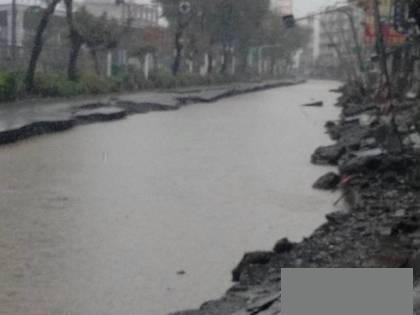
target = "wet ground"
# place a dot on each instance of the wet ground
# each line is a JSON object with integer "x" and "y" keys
{"x": 150, "y": 214}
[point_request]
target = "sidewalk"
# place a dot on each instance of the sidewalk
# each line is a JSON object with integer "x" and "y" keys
{"x": 28, "y": 118}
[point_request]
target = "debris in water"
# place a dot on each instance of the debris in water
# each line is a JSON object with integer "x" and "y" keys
{"x": 314, "y": 104}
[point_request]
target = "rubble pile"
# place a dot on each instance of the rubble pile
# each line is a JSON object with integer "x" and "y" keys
{"x": 377, "y": 154}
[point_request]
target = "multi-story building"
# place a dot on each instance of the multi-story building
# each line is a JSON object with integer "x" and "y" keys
{"x": 140, "y": 15}
{"x": 332, "y": 44}
{"x": 336, "y": 38}
{"x": 23, "y": 27}
{"x": 306, "y": 57}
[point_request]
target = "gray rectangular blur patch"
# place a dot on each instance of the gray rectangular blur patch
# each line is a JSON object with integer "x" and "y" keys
{"x": 347, "y": 291}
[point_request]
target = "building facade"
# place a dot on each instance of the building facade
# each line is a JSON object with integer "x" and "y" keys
{"x": 23, "y": 9}
{"x": 337, "y": 46}
{"x": 305, "y": 58}
{"x": 140, "y": 15}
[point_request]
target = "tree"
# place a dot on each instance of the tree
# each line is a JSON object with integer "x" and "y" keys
{"x": 38, "y": 43}
{"x": 179, "y": 20}
{"x": 76, "y": 42}
{"x": 97, "y": 33}
{"x": 232, "y": 25}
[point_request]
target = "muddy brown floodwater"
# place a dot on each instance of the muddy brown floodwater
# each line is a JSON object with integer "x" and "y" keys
{"x": 102, "y": 219}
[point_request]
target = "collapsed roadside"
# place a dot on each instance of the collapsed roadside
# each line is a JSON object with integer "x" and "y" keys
{"x": 20, "y": 121}
{"x": 376, "y": 152}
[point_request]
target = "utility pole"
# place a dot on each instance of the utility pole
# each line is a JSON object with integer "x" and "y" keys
{"x": 14, "y": 40}
{"x": 381, "y": 48}
{"x": 355, "y": 39}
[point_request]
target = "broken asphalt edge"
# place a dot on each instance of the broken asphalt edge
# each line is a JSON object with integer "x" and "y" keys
{"x": 117, "y": 109}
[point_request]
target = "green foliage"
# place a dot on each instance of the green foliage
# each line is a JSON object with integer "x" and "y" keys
{"x": 53, "y": 85}
{"x": 286, "y": 41}
{"x": 164, "y": 80}
{"x": 48, "y": 85}
{"x": 57, "y": 85}
{"x": 233, "y": 24}
{"x": 98, "y": 32}
{"x": 95, "y": 84}
{"x": 11, "y": 84}
{"x": 169, "y": 81}
{"x": 133, "y": 80}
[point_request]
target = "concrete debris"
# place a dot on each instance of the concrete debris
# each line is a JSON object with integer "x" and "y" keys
{"x": 314, "y": 104}
{"x": 328, "y": 181}
{"x": 328, "y": 155}
{"x": 254, "y": 258}
{"x": 263, "y": 304}
{"x": 283, "y": 246}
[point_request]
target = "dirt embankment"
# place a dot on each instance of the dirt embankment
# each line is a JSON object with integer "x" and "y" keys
{"x": 377, "y": 155}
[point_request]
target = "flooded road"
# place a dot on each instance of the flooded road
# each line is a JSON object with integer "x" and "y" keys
{"x": 101, "y": 219}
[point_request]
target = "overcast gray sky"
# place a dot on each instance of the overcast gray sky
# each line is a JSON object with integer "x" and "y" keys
{"x": 303, "y": 7}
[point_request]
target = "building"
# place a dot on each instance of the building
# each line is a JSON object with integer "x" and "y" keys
{"x": 23, "y": 8}
{"x": 283, "y": 7}
{"x": 337, "y": 47}
{"x": 332, "y": 45}
{"x": 305, "y": 58}
{"x": 140, "y": 15}
{"x": 135, "y": 15}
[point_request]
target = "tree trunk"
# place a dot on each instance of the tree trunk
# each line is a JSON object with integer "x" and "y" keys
{"x": 38, "y": 45}
{"x": 76, "y": 45}
{"x": 210, "y": 63}
{"x": 226, "y": 57}
{"x": 76, "y": 42}
{"x": 273, "y": 61}
{"x": 178, "y": 52}
{"x": 243, "y": 62}
{"x": 197, "y": 62}
{"x": 94, "y": 55}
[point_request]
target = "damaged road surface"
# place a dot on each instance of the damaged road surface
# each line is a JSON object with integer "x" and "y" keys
{"x": 150, "y": 214}
{"x": 24, "y": 120}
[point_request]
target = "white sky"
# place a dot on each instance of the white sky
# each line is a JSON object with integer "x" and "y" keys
{"x": 303, "y": 7}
